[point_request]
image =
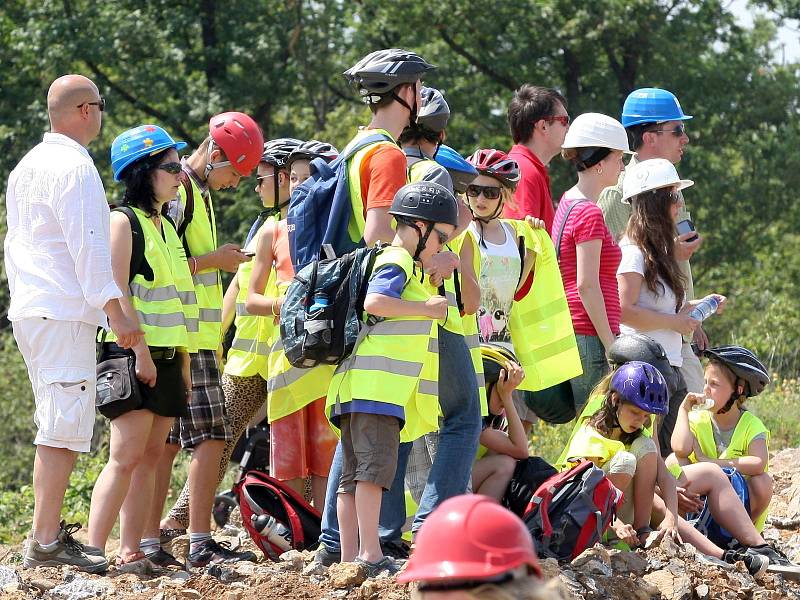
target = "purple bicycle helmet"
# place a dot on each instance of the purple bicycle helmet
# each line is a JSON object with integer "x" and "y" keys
{"x": 643, "y": 385}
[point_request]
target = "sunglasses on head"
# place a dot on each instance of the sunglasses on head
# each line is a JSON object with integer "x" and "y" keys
{"x": 490, "y": 192}
{"x": 563, "y": 119}
{"x": 678, "y": 131}
{"x": 173, "y": 168}
{"x": 100, "y": 104}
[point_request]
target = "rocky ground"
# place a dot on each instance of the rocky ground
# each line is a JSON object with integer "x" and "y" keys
{"x": 666, "y": 572}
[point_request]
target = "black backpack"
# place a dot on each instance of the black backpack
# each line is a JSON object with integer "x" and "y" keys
{"x": 321, "y": 314}
{"x": 529, "y": 474}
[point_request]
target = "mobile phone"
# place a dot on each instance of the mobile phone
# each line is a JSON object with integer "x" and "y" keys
{"x": 686, "y": 226}
{"x": 249, "y": 253}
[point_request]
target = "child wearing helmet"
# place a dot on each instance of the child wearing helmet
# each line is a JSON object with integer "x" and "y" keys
{"x": 725, "y": 433}
{"x": 299, "y": 161}
{"x": 503, "y": 441}
{"x": 587, "y": 253}
{"x": 512, "y": 300}
{"x": 471, "y": 547}
{"x": 388, "y": 387}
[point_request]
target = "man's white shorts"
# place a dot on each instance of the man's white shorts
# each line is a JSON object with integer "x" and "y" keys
{"x": 61, "y": 361}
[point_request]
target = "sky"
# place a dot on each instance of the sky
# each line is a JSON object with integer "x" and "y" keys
{"x": 788, "y": 36}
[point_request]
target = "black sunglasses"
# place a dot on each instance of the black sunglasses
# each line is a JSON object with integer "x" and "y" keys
{"x": 678, "y": 131}
{"x": 443, "y": 237}
{"x": 490, "y": 192}
{"x": 100, "y": 104}
{"x": 173, "y": 168}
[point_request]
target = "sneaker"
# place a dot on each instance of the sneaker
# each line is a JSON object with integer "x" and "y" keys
{"x": 71, "y": 528}
{"x": 66, "y": 551}
{"x": 775, "y": 556}
{"x": 212, "y": 552}
{"x": 327, "y": 557}
{"x": 755, "y": 562}
{"x": 163, "y": 559}
{"x": 395, "y": 550}
{"x": 374, "y": 569}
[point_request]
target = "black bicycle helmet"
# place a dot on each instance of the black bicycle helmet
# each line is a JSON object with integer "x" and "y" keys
{"x": 744, "y": 364}
{"x": 494, "y": 358}
{"x": 434, "y": 112}
{"x": 424, "y": 201}
{"x": 313, "y": 149}
{"x": 277, "y": 151}
{"x": 378, "y": 73}
{"x": 638, "y": 347}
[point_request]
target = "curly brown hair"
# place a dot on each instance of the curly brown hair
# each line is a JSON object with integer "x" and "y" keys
{"x": 652, "y": 229}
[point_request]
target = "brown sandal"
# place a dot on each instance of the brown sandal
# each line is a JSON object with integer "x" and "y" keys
{"x": 136, "y": 563}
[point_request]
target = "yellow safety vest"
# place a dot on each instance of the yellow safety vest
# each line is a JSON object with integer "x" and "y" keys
{"x": 581, "y": 442}
{"x": 247, "y": 355}
{"x": 167, "y": 305}
{"x": 357, "y": 222}
{"x": 396, "y": 362}
{"x": 201, "y": 238}
{"x": 540, "y": 322}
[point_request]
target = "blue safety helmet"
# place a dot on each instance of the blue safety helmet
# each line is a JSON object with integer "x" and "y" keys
{"x": 461, "y": 172}
{"x": 651, "y": 105}
{"x": 642, "y": 385}
{"x": 133, "y": 144}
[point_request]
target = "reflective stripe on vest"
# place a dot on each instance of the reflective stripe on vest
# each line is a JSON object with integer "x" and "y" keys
{"x": 540, "y": 322}
{"x": 393, "y": 358}
{"x": 357, "y": 223}
{"x": 167, "y": 305}
{"x": 201, "y": 238}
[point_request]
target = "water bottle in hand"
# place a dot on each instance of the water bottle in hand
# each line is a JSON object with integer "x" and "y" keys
{"x": 707, "y": 307}
{"x": 706, "y": 404}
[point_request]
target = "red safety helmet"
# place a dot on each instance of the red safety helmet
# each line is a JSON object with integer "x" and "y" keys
{"x": 469, "y": 538}
{"x": 240, "y": 139}
{"x": 495, "y": 163}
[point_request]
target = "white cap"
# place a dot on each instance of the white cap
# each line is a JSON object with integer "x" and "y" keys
{"x": 651, "y": 175}
{"x": 595, "y": 130}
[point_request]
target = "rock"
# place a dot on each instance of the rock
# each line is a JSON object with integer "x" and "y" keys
{"x": 315, "y": 568}
{"x": 80, "y": 588}
{"x": 190, "y": 594}
{"x": 158, "y": 596}
{"x": 702, "y": 591}
{"x": 179, "y": 547}
{"x": 43, "y": 585}
{"x": 10, "y": 580}
{"x": 344, "y": 575}
{"x": 627, "y": 562}
{"x": 245, "y": 568}
{"x": 595, "y": 567}
{"x": 671, "y": 586}
{"x": 234, "y": 595}
{"x": 549, "y": 568}
{"x": 369, "y": 590}
{"x": 223, "y": 573}
{"x": 669, "y": 547}
{"x": 294, "y": 558}
{"x": 597, "y": 553}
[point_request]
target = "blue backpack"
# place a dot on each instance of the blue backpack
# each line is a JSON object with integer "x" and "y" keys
{"x": 320, "y": 209}
{"x": 704, "y": 521}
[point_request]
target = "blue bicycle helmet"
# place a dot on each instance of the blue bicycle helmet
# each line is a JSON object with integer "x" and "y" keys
{"x": 461, "y": 172}
{"x": 642, "y": 385}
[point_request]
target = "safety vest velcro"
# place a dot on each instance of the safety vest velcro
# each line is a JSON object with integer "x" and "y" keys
{"x": 167, "y": 305}
{"x": 201, "y": 238}
{"x": 248, "y": 353}
{"x": 355, "y": 228}
{"x": 540, "y": 322}
{"x": 396, "y": 361}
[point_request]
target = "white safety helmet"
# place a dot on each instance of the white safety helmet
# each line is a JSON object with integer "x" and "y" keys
{"x": 650, "y": 175}
{"x": 595, "y": 130}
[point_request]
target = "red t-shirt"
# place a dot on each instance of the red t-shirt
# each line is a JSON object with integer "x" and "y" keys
{"x": 532, "y": 196}
{"x": 585, "y": 224}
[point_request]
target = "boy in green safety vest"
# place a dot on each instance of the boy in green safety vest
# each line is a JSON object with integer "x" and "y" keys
{"x": 231, "y": 151}
{"x": 381, "y": 392}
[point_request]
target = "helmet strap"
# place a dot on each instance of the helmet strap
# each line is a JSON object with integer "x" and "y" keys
{"x": 211, "y": 166}
{"x": 412, "y": 118}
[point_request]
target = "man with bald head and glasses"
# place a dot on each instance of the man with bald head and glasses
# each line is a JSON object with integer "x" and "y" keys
{"x": 58, "y": 263}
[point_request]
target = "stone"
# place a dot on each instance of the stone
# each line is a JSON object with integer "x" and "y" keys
{"x": 43, "y": 585}
{"x": 669, "y": 547}
{"x": 179, "y": 547}
{"x": 190, "y": 594}
{"x": 671, "y": 586}
{"x": 627, "y": 562}
{"x": 245, "y": 568}
{"x": 80, "y": 588}
{"x": 234, "y": 595}
{"x": 595, "y": 567}
{"x": 315, "y": 568}
{"x": 369, "y": 590}
{"x": 158, "y": 596}
{"x": 10, "y": 580}
{"x": 293, "y": 557}
{"x": 597, "y": 553}
{"x": 223, "y": 573}
{"x": 549, "y": 568}
{"x": 344, "y": 575}
{"x": 702, "y": 591}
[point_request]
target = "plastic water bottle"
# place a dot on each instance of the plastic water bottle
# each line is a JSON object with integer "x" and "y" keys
{"x": 320, "y": 303}
{"x": 277, "y": 533}
{"x": 706, "y": 404}
{"x": 707, "y": 307}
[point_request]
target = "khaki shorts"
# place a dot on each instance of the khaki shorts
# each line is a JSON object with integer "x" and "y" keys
{"x": 369, "y": 450}
{"x": 61, "y": 361}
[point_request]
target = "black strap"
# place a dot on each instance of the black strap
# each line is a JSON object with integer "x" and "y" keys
{"x": 561, "y": 229}
{"x": 188, "y": 209}
{"x": 138, "y": 262}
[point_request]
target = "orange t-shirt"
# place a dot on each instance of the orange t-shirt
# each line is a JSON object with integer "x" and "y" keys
{"x": 383, "y": 172}
{"x": 284, "y": 270}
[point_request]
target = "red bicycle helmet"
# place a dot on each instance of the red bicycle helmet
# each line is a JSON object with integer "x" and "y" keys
{"x": 495, "y": 163}
{"x": 470, "y": 538}
{"x": 240, "y": 139}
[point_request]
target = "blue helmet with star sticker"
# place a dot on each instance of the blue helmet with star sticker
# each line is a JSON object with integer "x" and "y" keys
{"x": 133, "y": 144}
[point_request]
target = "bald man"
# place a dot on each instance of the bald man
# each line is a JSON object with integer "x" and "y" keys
{"x": 58, "y": 263}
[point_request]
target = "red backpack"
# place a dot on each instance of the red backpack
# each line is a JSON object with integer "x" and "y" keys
{"x": 571, "y": 511}
{"x": 276, "y": 517}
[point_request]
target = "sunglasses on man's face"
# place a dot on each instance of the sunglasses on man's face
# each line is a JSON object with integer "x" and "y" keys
{"x": 563, "y": 119}
{"x": 173, "y": 168}
{"x": 490, "y": 192}
{"x": 100, "y": 104}
{"x": 678, "y": 131}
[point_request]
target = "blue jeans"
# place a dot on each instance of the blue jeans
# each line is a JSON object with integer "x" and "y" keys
{"x": 452, "y": 467}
